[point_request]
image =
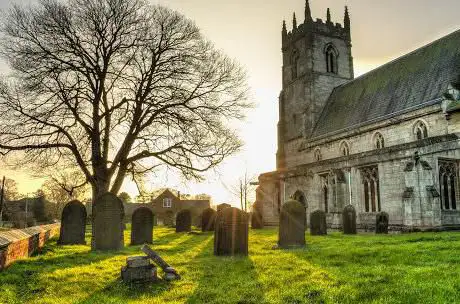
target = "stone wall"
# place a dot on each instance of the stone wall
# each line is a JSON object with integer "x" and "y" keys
{"x": 17, "y": 244}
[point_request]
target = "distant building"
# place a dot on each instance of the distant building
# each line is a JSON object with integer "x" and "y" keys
{"x": 26, "y": 212}
{"x": 165, "y": 204}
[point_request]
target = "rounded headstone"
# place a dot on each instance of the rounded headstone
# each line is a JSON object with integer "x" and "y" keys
{"x": 184, "y": 221}
{"x": 349, "y": 220}
{"x": 381, "y": 223}
{"x": 257, "y": 221}
{"x": 223, "y": 206}
{"x": 108, "y": 216}
{"x": 208, "y": 220}
{"x": 231, "y": 234}
{"x": 318, "y": 224}
{"x": 73, "y": 224}
{"x": 142, "y": 226}
{"x": 292, "y": 225}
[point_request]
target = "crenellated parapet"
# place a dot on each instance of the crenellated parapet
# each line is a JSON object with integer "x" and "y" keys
{"x": 327, "y": 27}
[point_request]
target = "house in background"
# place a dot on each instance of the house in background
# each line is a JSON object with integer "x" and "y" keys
{"x": 166, "y": 205}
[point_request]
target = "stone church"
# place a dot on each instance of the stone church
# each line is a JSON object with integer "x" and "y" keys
{"x": 384, "y": 141}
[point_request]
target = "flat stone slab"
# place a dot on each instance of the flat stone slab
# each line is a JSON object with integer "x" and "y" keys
{"x": 138, "y": 261}
{"x": 143, "y": 274}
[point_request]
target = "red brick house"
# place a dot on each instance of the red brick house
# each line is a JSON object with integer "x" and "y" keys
{"x": 166, "y": 205}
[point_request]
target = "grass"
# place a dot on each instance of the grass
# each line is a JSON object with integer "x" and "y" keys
{"x": 412, "y": 268}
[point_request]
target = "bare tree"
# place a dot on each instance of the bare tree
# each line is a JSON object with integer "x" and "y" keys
{"x": 116, "y": 88}
{"x": 243, "y": 190}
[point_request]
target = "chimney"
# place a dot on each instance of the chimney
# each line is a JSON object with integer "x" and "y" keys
{"x": 178, "y": 194}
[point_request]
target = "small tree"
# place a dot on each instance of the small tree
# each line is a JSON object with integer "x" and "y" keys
{"x": 125, "y": 197}
{"x": 116, "y": 88}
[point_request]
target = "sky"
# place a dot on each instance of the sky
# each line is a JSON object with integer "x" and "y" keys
{"x": 250, "y": 31}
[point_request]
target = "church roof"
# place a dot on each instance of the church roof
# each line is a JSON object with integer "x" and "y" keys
{"x": 407, "y": 83}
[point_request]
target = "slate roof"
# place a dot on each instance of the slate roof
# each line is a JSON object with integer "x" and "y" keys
{"x": 407, "y": 83}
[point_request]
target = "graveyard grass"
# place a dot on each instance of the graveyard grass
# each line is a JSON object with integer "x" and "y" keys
{"x": 412, "y": 268}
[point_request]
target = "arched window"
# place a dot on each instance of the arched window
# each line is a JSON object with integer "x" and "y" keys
{"x": 294, "y": 64}
{"x": 371, "y": 189}
{"x": 448, "y": 184}
{"x": 318, "y": 156}
{"x": 420, "y": 130}
{"x": 379, "y": 141}
{"x": 331, "y": 59}
{"x": 344, "y": 149}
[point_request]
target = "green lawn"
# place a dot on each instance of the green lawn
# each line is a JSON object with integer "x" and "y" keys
{"x": 412, "y": 268}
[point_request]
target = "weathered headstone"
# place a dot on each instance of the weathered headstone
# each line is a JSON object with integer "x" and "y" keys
{"x": 73, "y": 224}
{"x": 208, "y": 220}
{"x": 257, "y": 221}
{"x": 292, "y": 225}
{"x": 318, "y": 224}
{"x": 142, "y": 226}
{"x": 223, "y": 206}
{"x": 231, "y": 234}
{"x": 349, "y": 220}
{"x": 184, "y": 221}
{"x": 108, "y": 215}
{"x": 381, "y": 223}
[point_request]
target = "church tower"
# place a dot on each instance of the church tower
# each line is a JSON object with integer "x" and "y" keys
{"x": 316, "y": 59}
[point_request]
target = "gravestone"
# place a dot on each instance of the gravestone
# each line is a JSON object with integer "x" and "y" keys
{"x": 73, "y": 224}
{"x": 208, "y": 220}
{"x": 257, "y": 215}
{"x": 292, "y": 225}
{"x": 231, "y": 234}
{"x": 223, "y": 206}
{"x": 318, "y": 224}
{"x": 381, "y": 223}
{"x": 349, "y": 220}
{"x": 108, "y": 216}
{"x": 142, "y": 226}
{"x": 184, "y": 221}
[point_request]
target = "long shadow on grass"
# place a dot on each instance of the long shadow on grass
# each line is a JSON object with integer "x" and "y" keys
{"x": 23, "y": 276}
{"x": 181, "y": 253}
{"x": 225, "y": 279}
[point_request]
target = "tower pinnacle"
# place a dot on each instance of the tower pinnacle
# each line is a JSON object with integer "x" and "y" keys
{"x": 308, "y": 17}
{"x": 328, "y": 15}
{"x": 294, "y": 22}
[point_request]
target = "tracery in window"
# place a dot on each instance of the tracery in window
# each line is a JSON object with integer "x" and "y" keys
{"x": 379, "y": 141}
{"x": 318, "y": 156}
{"x": 344, "y": 149}
{"x": 448, "y": 182}
{"x": 420, "y": 130}
{"x": 371, "y": 189}
{"x": 331, "y": 59}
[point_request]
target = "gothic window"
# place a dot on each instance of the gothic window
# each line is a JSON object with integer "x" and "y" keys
{"x": 371, "y": 189}
{"x": 448, "y": 181}
{"x": 329, "y": 189}
{"x": 420, "y": 130}
{"x": 379, "y": 141}
{"x": 318, "y": 156}
{"x": 331, "y": 59}
{"x": 344, "y": 149}
{"x": 294, "y": 64}
{"x": 325, "y": 192}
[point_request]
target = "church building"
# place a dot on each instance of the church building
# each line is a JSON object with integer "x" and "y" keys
{"x": 385, "y": 141}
